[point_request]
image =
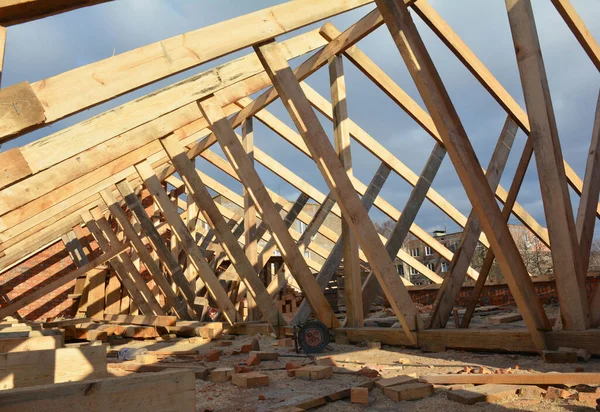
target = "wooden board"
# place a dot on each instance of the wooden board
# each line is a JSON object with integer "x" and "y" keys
{"x": 141, "y": 320}
{"x": 41, "y": 367}
{"x": 14, "y": 167}
{"x": 24, "y": 344}
{"x": 21, "y": 11}
{"x": 516, "y": 379}
{"x": 20, "y": 110}
{"x": 168, "y": 391}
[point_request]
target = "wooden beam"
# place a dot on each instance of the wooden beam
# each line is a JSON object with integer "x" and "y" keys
{"x": 337, "y": 252}
{"x": 394, "y": 243}
{"x": 50, "y": 366}
{"x": 456, "y": 142}
{"x": 43, "y": 291}
{"x": 506, "y": 212}
{"x": 251, "y": 242}
{"x": 158, "y": 244}
{"x": 167, "y": 391}
{"x": 236, "y": 254}
{"x": 188, "y": 243}
{"x": 2, "y": 50}
{"x": 21, "y": 11}
{"x": 159, "y": 278}
{"x": 352, "y": 281}
{"x": 558, "y": 210}
{"x": 14, "y": 166}
{"x": 453, "y": 281}
{"x": 586, "y": 213}
{"x": 129, "y": 276}
{"x": 239, "y": 160}
{"x": 339, "y": 183}
{"x": 141, "y": 320}
{"x": 517, "y": 379}
{"x": 577, "y": 26}
{"x": 20, "y": 109}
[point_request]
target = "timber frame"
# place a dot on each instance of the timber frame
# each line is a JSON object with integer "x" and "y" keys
{"x": 92, "y": 182}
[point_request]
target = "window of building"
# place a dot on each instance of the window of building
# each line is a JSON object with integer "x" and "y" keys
{"x": 400, "y": 269}
{"x": 415, "y": 252}
{"x": 428, "y": 251}
{"x": 431, "y": 266}
{"x": 414, "y": 272}
{"x": 444, "y": 266}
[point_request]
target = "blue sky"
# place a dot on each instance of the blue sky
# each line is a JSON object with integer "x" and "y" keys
{"x": 46, "y": 47}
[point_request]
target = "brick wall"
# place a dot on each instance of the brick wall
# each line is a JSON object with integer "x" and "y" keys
{"x": 500, "y": 294}
{"x": 39, "y": 270}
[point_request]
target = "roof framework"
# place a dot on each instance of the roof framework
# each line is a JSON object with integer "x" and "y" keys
{"x": 93, "y": 171}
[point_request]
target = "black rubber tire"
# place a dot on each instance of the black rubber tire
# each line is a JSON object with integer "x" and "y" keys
{"x": 313, "y": 337}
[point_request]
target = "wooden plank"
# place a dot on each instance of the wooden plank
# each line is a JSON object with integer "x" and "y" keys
{"x": 152, "y": 267}
{"x": 489, "y": 257}
{"x": 483, "y": 393}
{"x": 21, "y": 11}
{"x": 341, "y": 135}
{"x": 586, "y": 212}
{"x": 128, "y": 274}
{"x": 516, "y": 379}
{"x": 141, "y": 320}
{"x": 577, "y": 26}
{"x": 453, "y": 281}
{"x": 250, "y": 222}
{"x": 437, "y": 101}
{"x": 558, "y": 210}
{"x": 330, "y": 397}
{"x": 30, "y": 344}
{"x": 42, "y": 367}
{"x": 336, "y": 178}
{"x": 206, "y": 204}
{"x": 2, "y": 49}
{"x": 235, "y": 152}
{"x": 168, "y": 391}
{"x": 14, "y": 166}
{"x": 507, "y": 318}
{"x": 96, "y": 294}
{"x": 394, "y": 243}
{"x": 178, "y": 227}
{"x": 20, "y": 110}
{"x": 43, "y": 291}
{"x": 335, "y": 257}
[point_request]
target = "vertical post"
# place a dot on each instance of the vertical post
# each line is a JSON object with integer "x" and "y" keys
{"x": 352, "y": 281}
{"x": 572, "y": 296}
{"x": 251, "y": 243}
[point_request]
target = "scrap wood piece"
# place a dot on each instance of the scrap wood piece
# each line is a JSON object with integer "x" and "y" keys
{"x": 483, "y": 393}
{"x": 409, "y": 391}
{"x": 65, "y": 322}
{"x": 167, "y": 391}
{"x": 140, "y": 332}
{"x": 396, "y": 380}
{"x": 506, "y": 318}
{"x": 553, "y": 378}
{"x": 142, "y": 320}
{"x": 201, "y": 372}
{"x": 331, "y": 397}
